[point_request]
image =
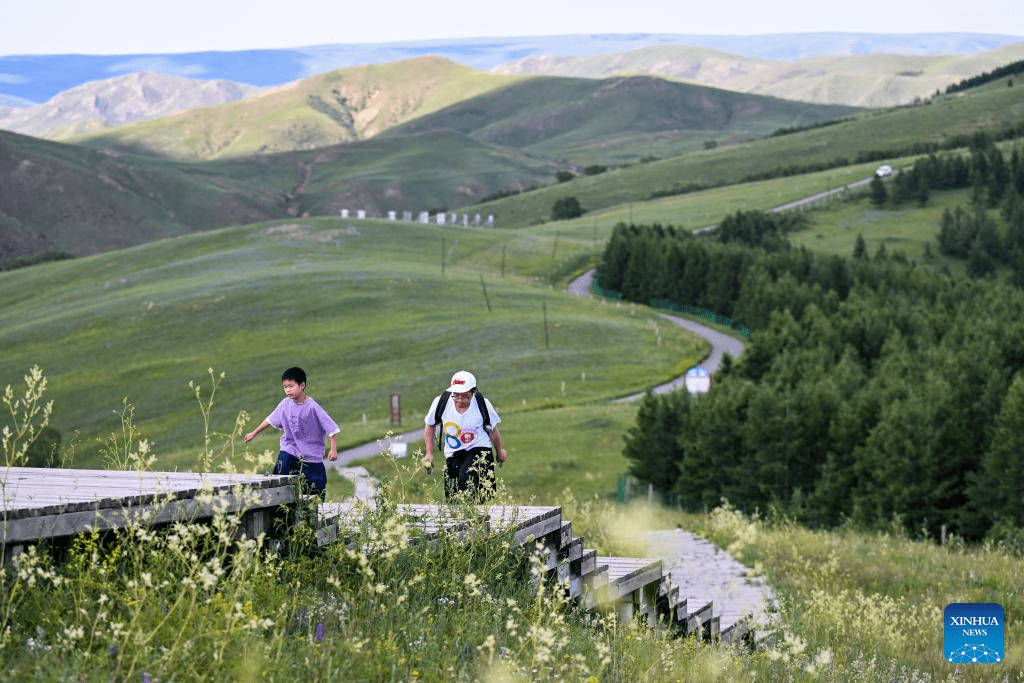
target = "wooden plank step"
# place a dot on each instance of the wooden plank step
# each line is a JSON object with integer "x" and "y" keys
{"x": 40, "y": 503}
{"x": 696, "y": 615}
{"x": 627, "y": 574}
{"x": 530, "y": 522}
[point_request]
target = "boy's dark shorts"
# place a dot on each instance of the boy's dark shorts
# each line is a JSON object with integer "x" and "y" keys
{"x": 314, "y": 474}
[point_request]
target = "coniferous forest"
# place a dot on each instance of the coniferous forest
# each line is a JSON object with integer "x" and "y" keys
{"x": 873, "y": 389}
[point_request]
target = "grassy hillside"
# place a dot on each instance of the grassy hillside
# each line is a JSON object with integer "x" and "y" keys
{"x": 991, "y": 108}
{"x": 58, "y": 197}
{"x": 64, "y": 198}
{"x": 363, "y": 306}
{"x": 338, "y": 106}
{"x": 433, "y": 170}
{"x": 617, "y": 120}
{"x": 582, "y": 120}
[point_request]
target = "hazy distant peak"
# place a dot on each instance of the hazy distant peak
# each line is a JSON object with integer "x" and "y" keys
{"x": 13, "y": 102}
{"x": 122, "y": 99}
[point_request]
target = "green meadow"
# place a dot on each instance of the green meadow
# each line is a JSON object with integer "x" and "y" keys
{"x": 834, "y": 228}
{"x": 368, "y": 308}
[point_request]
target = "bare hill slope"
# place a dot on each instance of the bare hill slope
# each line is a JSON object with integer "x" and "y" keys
{"x": 870, "y": 80}
{"x": 124, "y": 99}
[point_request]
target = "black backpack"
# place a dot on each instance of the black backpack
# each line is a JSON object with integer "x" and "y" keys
{"x": 442, "y": 402}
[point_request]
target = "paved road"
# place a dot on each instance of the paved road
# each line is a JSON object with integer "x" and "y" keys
{"x": 720, "y": 343}
{"x": 368, "y": 450}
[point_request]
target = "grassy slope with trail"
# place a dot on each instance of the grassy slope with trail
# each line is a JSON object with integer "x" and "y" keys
{"x": 361, "y": 305}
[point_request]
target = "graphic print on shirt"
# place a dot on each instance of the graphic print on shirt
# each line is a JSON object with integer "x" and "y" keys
{"x": 455, "y": 438}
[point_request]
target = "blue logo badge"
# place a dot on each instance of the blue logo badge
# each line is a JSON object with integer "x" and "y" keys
{"x": 973, "y": 633}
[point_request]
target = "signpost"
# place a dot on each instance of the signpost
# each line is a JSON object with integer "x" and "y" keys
{"x": 698, "y": 380}
{"x": 396, "y": 411}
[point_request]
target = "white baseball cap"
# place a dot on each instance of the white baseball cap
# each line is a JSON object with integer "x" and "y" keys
{"x": 462, "y": 381}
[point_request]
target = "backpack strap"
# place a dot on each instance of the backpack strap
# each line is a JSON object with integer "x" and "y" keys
{"x": 482, "y": 404}
{"x": 442, "y": 401}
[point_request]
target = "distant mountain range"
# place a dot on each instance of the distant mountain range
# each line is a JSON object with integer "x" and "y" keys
{"x": 583, "y": 121}
{"x": 869, "y": 80}
{"x": 124, "y": 99}
{"x": 431, "y": 133}
{"x": 408, "y": 143}
{"x": 37, "y": 78}
{"x": 875, "y": 79}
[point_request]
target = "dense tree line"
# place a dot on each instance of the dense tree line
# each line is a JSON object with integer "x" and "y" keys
{"x": 872, "y": 389}
{"x": 971, "y": 232}
{"x": 1011, "y": 69}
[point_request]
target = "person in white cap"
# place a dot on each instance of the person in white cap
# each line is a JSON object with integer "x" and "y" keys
{"x": 465, "y": 425}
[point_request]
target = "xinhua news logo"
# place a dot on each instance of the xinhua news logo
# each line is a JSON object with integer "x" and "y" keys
{"x": 973, "y": 633}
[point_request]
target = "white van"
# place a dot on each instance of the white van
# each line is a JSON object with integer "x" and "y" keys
{"x": 883, "y": 171}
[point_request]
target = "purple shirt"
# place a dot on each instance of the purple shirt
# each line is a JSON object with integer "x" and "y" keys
{"x": 305, "y": 426}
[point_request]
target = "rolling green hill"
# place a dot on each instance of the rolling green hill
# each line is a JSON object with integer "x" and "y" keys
{"x": 338, "y": 106}
{"x": 63, "y": 198}
{"x": 885, "y": 134}
{"x": 582, "y": 120}
{"x": 432, "y": 170}
{"x": 56, "y": 197}
{"x": 617, "y": 120}
{"x": 361, "y": 305}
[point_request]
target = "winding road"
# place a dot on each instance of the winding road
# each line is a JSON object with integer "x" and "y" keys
{"x": 721, "y": 344}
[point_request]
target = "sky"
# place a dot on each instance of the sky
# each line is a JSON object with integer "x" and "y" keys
{"x": 112, "y": 27}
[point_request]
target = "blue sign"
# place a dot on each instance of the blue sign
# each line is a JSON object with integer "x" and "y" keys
{"x": 973, "y": 633}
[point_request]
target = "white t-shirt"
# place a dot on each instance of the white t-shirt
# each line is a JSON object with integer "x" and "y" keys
{"x": 463, "y": 431}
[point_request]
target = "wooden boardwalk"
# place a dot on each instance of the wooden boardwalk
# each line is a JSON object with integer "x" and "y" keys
{"x": 629, "y": 587}
{"x": 56, "y": 504}
{"x": 52, "y": 503}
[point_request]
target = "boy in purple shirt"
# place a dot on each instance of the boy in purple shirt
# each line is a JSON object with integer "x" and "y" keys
{"x": 305, "y": 424}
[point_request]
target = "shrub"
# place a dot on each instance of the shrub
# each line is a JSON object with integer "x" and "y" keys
{"x": 566, "y": 207}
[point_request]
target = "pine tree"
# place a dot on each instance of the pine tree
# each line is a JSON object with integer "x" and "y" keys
{"x": 652, "y": 445}
{"x": 860, "y": 248}
{"x": 879, "y": 195}
{"x": 979, "y": 263}
{"x": 998, "y": 486}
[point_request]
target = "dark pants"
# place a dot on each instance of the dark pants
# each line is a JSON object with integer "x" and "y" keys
{"x": 314, "y": 474}
{"x": 464, "y": 471}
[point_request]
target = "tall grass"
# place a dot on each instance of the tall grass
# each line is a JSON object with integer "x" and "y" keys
{"x": 196, "y": 600}
{"x": 869, "y": 606}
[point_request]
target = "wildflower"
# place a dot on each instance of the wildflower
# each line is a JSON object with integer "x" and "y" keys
{"x": 319, "y": 632}
{"x": 473, "y": 584}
